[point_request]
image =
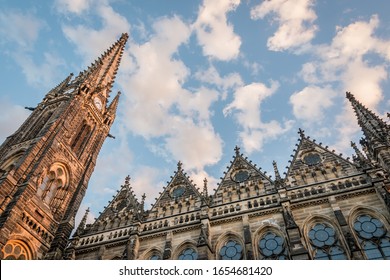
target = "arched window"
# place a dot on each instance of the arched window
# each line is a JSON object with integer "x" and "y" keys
{"x": 11, "y": 162}
{"x": 53, "y": 189}
{"x": 188, "y": 254}
{"x": 272, "y": 246}
{"x": 153, "y": 254}
{"x": 81, "y": 138}
{"x": 39, "y": 124}
{"x": 231, "y": 250}
{"x": 373, "y": 237}
{"x": 325, "y": 243}
{"x": 16, "y": 250}
{"x": 155, "y": 257}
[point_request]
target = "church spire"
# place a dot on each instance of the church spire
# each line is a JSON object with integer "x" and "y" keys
{"x": 374, "y": 128}
{"x": 278, "y": 179}
{"x": 82, "y": 224}
{"x": 101, "y": 74}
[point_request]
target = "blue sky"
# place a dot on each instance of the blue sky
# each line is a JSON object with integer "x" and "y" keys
{"x": 199, "y": 77}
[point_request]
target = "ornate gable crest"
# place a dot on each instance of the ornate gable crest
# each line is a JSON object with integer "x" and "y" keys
{"x": 314, "y": 163}
{"x": 180, "y": 188}
{"x": 242, "y": 172}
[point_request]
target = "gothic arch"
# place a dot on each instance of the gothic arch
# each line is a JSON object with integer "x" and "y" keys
{"x": 84, "y": 132}
{"x": 17, "y": 249}
{"x": 12, "y": 160}
{"x": 371, "y": 231}
{"x": 230, "y": 246}
{"x": 152, "y": 254}
{"x": 53, "y": 188}
{"x": 187, "y": 250}
{"x": 40, "y": 122}
{"x": 324, "y": 239}
{"x": 270, "y": 242}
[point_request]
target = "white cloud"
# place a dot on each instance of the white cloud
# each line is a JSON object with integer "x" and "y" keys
{"x": 310, "y": 103}
{"x": 348, "y": 63}
{"x": 21, "y": 31}
{"x": 160, "y": 109}
{"x": 246, "y": 109}
{"x": 295, "y": 19}
{"x": 20, "y": 28}
{"x": 11, "y": 117}
{"x": 89, "y": 41}
{"x": 214, "y": 33}
{"x": 346, "y": 60}
{"x": 212, "y": 77}
{"x": 73, "y": 6}
{"x": 196, "y": 145}
{"x": 41, "y": 74}
{"x": 147, "y": 180}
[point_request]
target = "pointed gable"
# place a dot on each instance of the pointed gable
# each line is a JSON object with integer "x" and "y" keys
{"x": 124, "y": 205}
{"x": 180, "y": 192}
{"x": 314, "y": 163}
{"x": 242, "y": 180}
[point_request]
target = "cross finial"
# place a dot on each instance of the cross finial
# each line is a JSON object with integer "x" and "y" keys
{"x": 179, "y": 166}
{"x": 301, "y": 132}
{"x": 127, "y": 180}
{"x": 237, "y": 150}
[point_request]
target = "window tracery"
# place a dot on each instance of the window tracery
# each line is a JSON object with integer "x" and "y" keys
{"x": 232, "y": 250}
{"x": 325, "y": 243}
{"x": 53, "y": 189}
{"x": 272, "y": 246}
{"x": 16, "y": 250}
{"x": 188, "y": 254}
{"x": 373, "y": 237}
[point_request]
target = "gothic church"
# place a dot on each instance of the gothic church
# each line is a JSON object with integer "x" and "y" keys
{"x": 325, "y": 207}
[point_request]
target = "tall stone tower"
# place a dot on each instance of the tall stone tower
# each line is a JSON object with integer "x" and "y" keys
{"x": 46, "y": 164}
{"x": 376, "y": 142}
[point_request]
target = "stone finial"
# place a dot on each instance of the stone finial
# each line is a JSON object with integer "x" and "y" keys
{"x": 237, "y": 150}
{"x": 127, "y": 180}
{"x": 301, "y": 132}
{"x": 205, "y": 191}
{"x": 179, "y": 166}
{"x": 276, "y": 170}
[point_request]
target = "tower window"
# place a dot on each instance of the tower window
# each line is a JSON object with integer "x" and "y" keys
{"x": 81, "y": 138}
{"x": 53, "y": 189}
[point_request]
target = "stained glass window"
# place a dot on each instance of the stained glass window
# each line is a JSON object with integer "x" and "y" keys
{"x": 241, "y": 176}
{"x": 272, "y": 246}
{"x": 232, "y": 250}
{"x": 188, "y": 254}
{"x": 155, "y": 256}
{"x": 325, "y": 243}
{"x": 373, "y": 237}
{"x": 312, "y": 159}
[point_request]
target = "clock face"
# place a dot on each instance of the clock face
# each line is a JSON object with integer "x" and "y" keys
{"x": 179, "y": 191}
{"x": 312, "y": 159}
{"x": 98, "y": 103}
{"x": 241, "y": 176}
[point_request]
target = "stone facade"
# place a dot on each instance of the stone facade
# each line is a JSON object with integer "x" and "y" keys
{"x": 46, "y": 164}
{"x": 325, "y": 207}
